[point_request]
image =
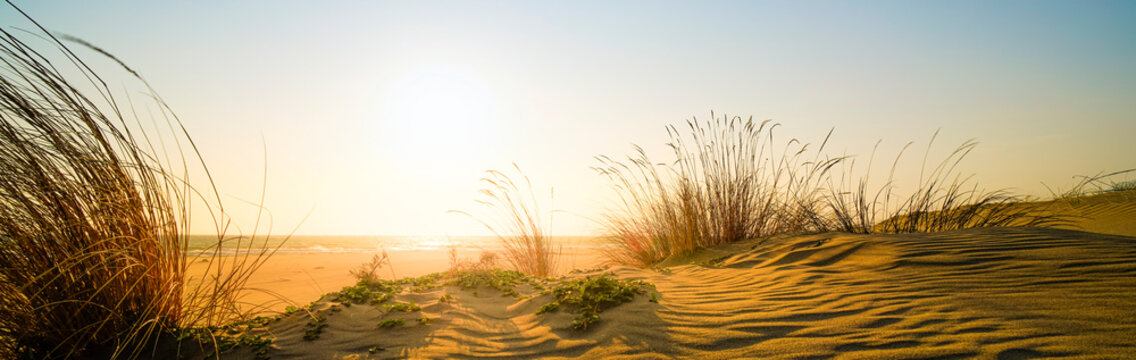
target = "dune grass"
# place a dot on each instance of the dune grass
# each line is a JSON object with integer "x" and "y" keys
{"x": 1122, "y": 186}
{"x": 730, "y": 180}
{"x": 1102, "y": 182}
{"x": 93, "y": 223}
{"x": 942, "y": 199}
{"x": 518, "y": 222}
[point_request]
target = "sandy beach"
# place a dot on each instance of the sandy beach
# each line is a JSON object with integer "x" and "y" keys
{"x": 1000, "y": 293}
{"x": 992, "y": 293}
{"x": 298, "y": 279}
{"x": 568, "y": 180}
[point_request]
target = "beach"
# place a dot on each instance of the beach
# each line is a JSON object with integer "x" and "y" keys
{"x": 296, "y": 279}
{"x": 998, "y": 293}
{"x": 573, "y": 180}
{"x": 986, "y": 293}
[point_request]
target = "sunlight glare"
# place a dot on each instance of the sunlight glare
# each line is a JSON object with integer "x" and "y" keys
{"x": 437, "y": 113}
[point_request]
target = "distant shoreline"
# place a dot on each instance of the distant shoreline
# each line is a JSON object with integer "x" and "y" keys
{"x": 315, "y": 244}
{"x": 298, "y": 278}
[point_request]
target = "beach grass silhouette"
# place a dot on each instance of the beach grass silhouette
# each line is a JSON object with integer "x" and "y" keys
{"x": 94, "y": 219}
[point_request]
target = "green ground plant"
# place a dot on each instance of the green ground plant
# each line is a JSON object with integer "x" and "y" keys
{"x": 422, "y": 283}
{"x": 371, "y": 292}
{"x": 232, "y": 336}
{"x": 402, "y": 307}
{"x": 591, "y": 295}
{"x": 314, "y": 327}
{"x": 504, "y": 281}
{"x": 587, "y": 296}
{"x": 389, "y": 323}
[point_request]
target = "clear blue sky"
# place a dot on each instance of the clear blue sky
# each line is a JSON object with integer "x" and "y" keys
{"x": 380, "y": 116}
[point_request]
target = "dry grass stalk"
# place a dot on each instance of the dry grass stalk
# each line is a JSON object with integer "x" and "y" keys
{"x": 369, "y": 272}
{"x": 93, "y": 225}
{"x": 728, "y": 182}
{"x": 486, "y": 261}
{"x": 943, "y": 199}
{"x": 518, "y": 223}
{"x": 1102, "y": 182}
{"x": 850, "y": 206}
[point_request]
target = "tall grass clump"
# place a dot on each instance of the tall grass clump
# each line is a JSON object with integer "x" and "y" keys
{"x": 942, "y": 199}
{"x": 1122, "y": 186}
{"x": 847, "y": 204}
{"x": 1102, "y": 182}
{"x": 518, "y": 222}
{"x": 729, "y": 180}
{"x": 93, "y": 223}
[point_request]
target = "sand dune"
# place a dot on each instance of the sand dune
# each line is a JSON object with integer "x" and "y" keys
{"x": 987, "y": 293}
{"x": 996, "y": 293}
{"x": 1107, "y": 213}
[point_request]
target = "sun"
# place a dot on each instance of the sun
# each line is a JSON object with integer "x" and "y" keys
{"x": 438, "y": 110}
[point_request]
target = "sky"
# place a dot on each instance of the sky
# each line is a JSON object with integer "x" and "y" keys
{"x": 378, "y": 117}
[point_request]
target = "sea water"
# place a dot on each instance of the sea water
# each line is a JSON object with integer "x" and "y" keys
{"x": 301, "y": 244}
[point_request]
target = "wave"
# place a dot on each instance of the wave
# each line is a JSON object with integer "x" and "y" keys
{"x": 207, "y": 245}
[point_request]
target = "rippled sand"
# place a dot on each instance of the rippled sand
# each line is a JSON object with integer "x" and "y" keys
{"x": 995, "y": 293}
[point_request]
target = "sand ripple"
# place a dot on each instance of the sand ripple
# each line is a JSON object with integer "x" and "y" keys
{"x": 1002, "y": 293}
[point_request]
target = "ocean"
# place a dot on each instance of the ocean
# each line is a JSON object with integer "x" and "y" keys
{"x": 300, "y": 244}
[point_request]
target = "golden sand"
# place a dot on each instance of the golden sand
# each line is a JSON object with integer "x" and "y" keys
{"x": 994, "y": 293}
{"x": 298, "y": 279}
